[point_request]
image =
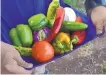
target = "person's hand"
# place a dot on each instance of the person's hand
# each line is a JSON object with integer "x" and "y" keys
{"x": 11, "y": 61}
{"x": 99, "y": 21}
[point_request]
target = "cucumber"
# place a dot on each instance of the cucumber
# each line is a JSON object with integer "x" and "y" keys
{"x": 73, "y": 26}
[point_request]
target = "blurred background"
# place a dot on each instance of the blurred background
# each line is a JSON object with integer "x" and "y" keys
{"x": 78, "y": 4}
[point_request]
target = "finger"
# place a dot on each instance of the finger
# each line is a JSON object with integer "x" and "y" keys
{"x": 9, "y": 61}
{"x": 17, "y": 69}
{"x": 22, "y": 63}
{"x": 8, "y": 58}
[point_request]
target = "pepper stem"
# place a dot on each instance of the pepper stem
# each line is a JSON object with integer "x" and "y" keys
{"x": 71, "y": 46}
{"x": 75, "y": 39}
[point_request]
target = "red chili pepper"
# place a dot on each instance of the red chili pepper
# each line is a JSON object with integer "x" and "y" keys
{"x": 79, "y": 19}
{"x": 78, "y": 37}
{"x": 57, "y": 24}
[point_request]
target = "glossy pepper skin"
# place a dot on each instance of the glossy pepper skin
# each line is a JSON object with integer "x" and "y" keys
{"x": 62, "y": 43}
{"x": 51, "y": 13}
{"x": 14, "y": 37}
{"x": 37, "y": 22}
{"x": 73, "y": 26}
{"x": 57, "y": 24}
{"x": 24, "y": 51}
{"x": 21, "y": 35}
{"x": 79, "y": 19}
{"x": 78, "y": 37}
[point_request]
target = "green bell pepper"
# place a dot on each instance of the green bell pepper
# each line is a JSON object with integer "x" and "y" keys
{"x": 37, "y": 22}
{"x": 21, "y": 35}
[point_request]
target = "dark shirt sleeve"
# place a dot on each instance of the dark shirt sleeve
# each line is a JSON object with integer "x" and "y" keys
{"x": 90, "y": 4}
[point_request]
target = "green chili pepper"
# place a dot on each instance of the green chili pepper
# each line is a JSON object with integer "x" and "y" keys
{"x": 24, "y": 51}
{"x": 73, "y": 26}
{"x": 51, "y": 13}
{"x": 62, "y": 43}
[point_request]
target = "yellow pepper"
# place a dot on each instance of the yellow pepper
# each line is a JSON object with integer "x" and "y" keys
{"x": 63, "y": 37}
{"x": 62, "y": 43}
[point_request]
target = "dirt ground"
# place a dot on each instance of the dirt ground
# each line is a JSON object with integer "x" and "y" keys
{"x": 87, "y": 59}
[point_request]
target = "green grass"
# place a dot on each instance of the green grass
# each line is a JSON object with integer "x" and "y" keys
{"x": 78, "y": 4}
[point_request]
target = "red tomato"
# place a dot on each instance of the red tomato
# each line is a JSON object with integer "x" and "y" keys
{"x": 42, "y": 51}
{"x": 78, "y": 19}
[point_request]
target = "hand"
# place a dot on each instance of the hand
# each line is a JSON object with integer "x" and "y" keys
{"x": 99, "y": 21}
{"x": 11, "y": 61}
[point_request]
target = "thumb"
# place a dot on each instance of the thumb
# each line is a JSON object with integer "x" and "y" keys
{"x": 22, "y": 63}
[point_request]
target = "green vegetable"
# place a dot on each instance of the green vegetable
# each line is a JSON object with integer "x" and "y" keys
{"x": 62, "y": 43}
{"x": 51, "y": 13}
{"x": 21, "y": 35}
{"x": 37, "y": 22}
{"x": 73, "y": 26}
{"x": 14, "y": 37}
{"x": 24, "y": 51}
{"x": 104, "y": 68}
{"x": 25, "y": 35}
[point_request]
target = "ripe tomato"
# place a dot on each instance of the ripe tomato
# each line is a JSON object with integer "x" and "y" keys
{"x": 42, "y": 51}
{"x": 78, "y": 19}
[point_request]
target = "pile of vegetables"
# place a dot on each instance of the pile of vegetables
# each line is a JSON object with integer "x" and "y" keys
{"x": 48, "y": 35}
